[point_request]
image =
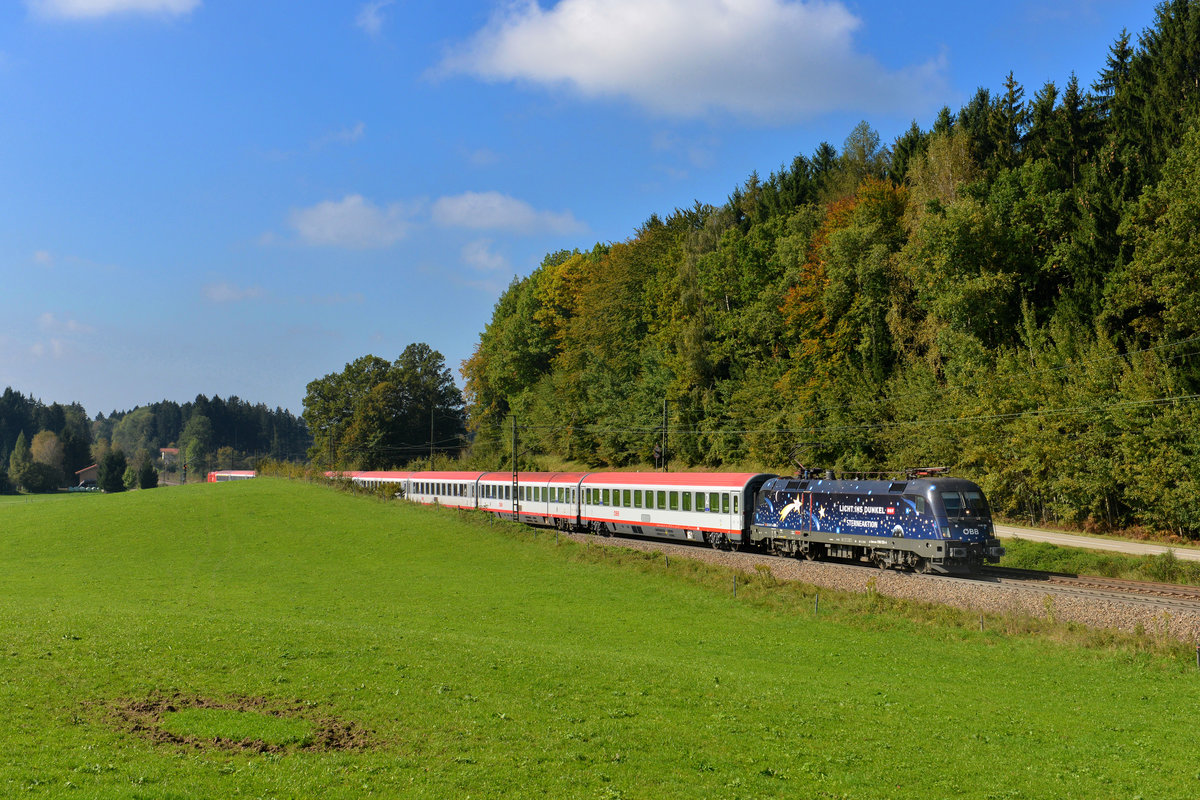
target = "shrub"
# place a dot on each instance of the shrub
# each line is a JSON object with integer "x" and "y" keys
{"x": 40, "y": 478}
{"x": 112, "y": 472}
{"x": 147, "y": 477}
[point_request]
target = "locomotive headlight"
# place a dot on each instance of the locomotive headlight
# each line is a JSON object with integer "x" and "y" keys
{"x": 945, "y": 531}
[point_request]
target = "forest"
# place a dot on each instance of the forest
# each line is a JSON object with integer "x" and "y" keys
{"x": 1013, "y": 293}
{"x": 210, "y": 433}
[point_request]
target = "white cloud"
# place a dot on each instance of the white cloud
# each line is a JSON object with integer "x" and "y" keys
{"x": 769, "y": 59}
{"x": 353, "y": 222}
{"x": 228, "y": 293}
{"x": 91, "y": 9}
{"x": 479, "y": 255}
{"x": 54, "y": 348}
{"x": 50, "y": 323}
{"x": 43, "y": 257}
{"x": 344, "y": 136}
{"x": 370, "y": 16}
{"x": 483, "y": 157}
{"x": 495, "y": 211}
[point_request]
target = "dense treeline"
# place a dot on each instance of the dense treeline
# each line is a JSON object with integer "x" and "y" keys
{"x": 1014, "y": 292}
{"x": 209, "y": 432}
{"x": 377, "y": 414}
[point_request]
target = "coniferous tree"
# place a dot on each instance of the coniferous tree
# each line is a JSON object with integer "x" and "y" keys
{"x": 112, "y": 472}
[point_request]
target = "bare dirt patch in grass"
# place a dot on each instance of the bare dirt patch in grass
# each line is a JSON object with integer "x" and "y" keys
{"x": 146, "y": 717}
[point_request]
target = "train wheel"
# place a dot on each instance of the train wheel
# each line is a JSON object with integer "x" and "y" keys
{"x": 920, "y": 565}
{"x": 718, "y": 541}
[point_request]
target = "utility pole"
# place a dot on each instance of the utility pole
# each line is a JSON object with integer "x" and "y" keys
{"x": 431, "y": 436}
{"x": 515, "y": 484}
{"x": 665, "y": 457}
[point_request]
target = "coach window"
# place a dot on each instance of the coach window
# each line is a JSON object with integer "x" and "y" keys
{"x": 687, "y": 501}
{"x": 735, "y": 504}
{"x": 724, "y": 504}
{"x": 604, "y": 497}
{"x": 713, "y": 502}
{"x": 627, "y": 498}
{"x": 674, "y": 501}
{"x": 661, "y": 500}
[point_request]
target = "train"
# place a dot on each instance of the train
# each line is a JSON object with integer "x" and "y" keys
{"x": 925, "y": 522}
{"x": 223, "y": 475}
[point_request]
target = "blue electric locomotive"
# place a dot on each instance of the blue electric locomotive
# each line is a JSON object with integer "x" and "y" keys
{"x": 924, "y": 524}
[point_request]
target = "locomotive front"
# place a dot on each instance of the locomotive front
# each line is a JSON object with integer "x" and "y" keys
{"x": 965, "y": 520}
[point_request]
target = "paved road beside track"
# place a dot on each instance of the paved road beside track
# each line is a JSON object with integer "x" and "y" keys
{"x": 1094, "y": 543}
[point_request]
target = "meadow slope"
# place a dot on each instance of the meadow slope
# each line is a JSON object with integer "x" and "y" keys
{"x": 486, "y": 662}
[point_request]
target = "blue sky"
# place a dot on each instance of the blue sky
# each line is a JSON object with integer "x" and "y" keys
{"x": 204, "y": 196}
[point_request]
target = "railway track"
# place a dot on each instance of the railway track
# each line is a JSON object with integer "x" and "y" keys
{"x": 1130, "y": 606}
{"x": 1167, "y": 595}
{"x": 1147, "y": 594}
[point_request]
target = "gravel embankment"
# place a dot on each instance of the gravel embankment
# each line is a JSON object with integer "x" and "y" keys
{"x": 978, "y": 596}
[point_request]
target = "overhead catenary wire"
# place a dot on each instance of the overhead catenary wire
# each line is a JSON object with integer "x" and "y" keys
{"x": 1037, "y": 412}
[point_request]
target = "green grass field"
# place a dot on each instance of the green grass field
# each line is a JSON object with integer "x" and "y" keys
{"x": 486, "y": 662}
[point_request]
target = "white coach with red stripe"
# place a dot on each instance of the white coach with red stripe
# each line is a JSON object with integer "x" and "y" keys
{"x": 697, "y": 506}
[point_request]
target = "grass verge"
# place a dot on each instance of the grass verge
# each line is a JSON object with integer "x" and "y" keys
{"x": 488, "y": 661}
{"x": 1164, "y": 568}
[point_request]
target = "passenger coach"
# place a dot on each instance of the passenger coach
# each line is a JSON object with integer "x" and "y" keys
{"x": 694, "y": 506}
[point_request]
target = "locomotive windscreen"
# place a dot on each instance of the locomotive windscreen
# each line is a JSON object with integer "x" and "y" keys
{"x": 965, "y": 504}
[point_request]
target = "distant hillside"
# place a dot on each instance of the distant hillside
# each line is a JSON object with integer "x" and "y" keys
{"x": 210, "y": 432}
